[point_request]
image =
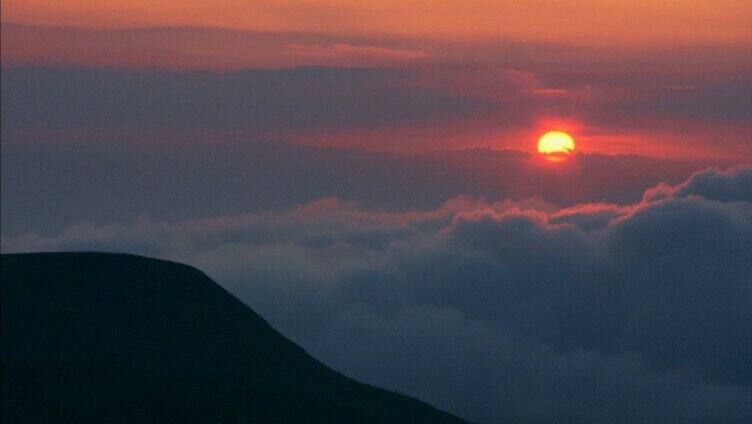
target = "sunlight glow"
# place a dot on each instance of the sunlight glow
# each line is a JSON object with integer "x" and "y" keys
{"x": 556, "y": 144}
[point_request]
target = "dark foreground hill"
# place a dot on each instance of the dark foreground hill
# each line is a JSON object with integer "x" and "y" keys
{"x": 91, "y": 337}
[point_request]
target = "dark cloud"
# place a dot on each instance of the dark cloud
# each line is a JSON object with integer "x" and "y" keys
{"x": 257, "y": 101}
{"x": 49, "y": 184}
{"x": 733, "y": 186}
{"x": 405, "y": 108}
{"x": 499, "y": 311}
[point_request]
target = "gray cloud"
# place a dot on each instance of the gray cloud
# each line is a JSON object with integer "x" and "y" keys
{"x": 498, "y": 311}
{"x": 50, "y": 184}
{"x": 252, "y": 100}
{"x": 408, "y": 107}
{"x": 734, "y": 185}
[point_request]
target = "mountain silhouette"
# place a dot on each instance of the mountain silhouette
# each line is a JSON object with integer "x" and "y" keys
{"x": 97, "y": 337}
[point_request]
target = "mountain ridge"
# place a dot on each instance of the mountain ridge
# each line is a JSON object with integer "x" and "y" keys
{"x": 130, "y": 338}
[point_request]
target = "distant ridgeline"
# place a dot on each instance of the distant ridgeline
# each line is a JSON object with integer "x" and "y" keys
{"x": 93, "y": 337}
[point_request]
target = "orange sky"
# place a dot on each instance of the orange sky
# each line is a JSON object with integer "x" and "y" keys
{"x": 656, "y": 77}
{"x": 594, "y": 22}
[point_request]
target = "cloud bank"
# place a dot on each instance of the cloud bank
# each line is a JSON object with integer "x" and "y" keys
{"x": 509, "y": 310}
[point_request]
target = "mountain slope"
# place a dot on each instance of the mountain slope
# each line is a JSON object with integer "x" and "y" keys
{"x": 107, "y": 337}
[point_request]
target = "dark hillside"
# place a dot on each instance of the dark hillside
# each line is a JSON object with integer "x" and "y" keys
{"x": 106, "y": 337}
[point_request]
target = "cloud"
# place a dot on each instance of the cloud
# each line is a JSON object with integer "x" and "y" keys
{"x": 384, "y": 93}
{"x": 112, "y": 178}
{"x": 347, "y": 54}
{"x": 732, "y": 186}
{"x": 255, "y": 101}
{"x": 196, "y": 48}
{"x": 575, "y": 21}
{"x": 499, "y": 311}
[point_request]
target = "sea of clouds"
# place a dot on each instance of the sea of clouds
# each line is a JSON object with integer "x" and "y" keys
{"x": 496, "y": 311}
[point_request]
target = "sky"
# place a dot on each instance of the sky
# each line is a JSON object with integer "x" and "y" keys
{"x": 364, "y": 174}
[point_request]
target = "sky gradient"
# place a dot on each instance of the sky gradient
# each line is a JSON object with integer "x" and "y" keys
{"x": 365, "y": 175}
{"x": 648, "y": 78}
{"x": 600, "y": 22}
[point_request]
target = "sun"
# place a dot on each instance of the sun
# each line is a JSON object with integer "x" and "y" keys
{"x": 556, "y": 144}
